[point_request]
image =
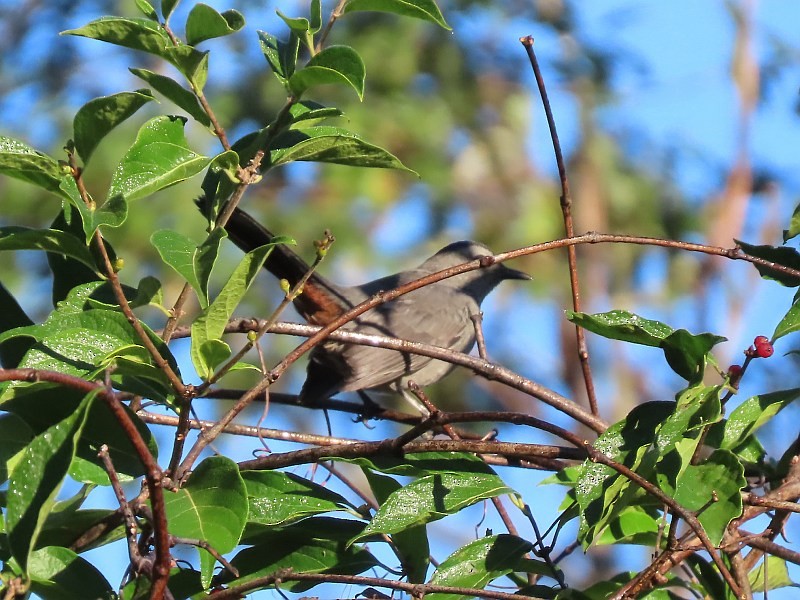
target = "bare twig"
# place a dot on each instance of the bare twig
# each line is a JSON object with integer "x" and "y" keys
{"x": 138, "y": 562}
{"x": 566, "y": 210}
{"x": 415, "y": 589}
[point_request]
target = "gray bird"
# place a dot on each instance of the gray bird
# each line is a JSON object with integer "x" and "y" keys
{"x": 437, "y": 314}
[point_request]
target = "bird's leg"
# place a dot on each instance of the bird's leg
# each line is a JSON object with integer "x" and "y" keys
{"x": 477, "y": 321}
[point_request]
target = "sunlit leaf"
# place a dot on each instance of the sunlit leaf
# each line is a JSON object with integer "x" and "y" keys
{"x": 95, "y": 119}
{"x": 211, "y": 506}
{"x": 481, "y": 562}
{"x": 20, "y": 161}
{"x": 49, "y": 240}
{"x": 36, "y": 479}
{"x": 60, "y": 573}
{"x": 335, "y": 64}
{"x": 160, "y": 157}
{"x": 330, "y": 144}
{"x": 419, "y": 9}
{"x": 205, "y": 23}
{"x": 175, "y": 92}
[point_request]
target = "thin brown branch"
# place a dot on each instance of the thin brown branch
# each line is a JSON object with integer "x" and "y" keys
{"x": 539, "y": 462}
{"x": 208, "y": 548}
{"x": 335, "y": 14}
{"x": 219, "y": 131}
{"x": 131, "y": 528}
{"x": 773, "y": 549}
{"x": 512, "y": 451}
{"x": 566, "y": 211}
{"x": 176, "y": 313}
{"x": 417, "y": 590}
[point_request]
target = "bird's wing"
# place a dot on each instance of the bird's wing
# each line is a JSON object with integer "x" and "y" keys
{"x": 444, "y": 322}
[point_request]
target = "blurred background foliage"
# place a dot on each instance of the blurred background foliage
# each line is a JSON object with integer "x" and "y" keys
{"x": 460, "y": 109}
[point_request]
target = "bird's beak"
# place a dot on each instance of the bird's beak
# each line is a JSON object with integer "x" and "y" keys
{"x": 509, "y": 273}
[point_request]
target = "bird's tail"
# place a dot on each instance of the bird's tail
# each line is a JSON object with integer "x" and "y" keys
{"x": 320, "y": 302}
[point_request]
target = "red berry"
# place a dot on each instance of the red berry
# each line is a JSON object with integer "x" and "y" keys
{"x": 760, "y": 339}
{"x": 764, "y": 350}
{"x": 735, "y": 375}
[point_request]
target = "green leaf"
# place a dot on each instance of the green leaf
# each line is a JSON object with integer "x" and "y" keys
{"x": 60, "y": 573}
{"x": 418, "y": 9}
{"x": 20, "y": 161}
{"x": 213, "y": 353}
{"x": 748, "y": 417}
{"x": 192, "y": 63}
{"x": 600, "y": 492}
{"x": 205, "y": 23}
{"x": 713, "y": 489}
{"x": 172, "y": 90}
{"x": 204, "y": 259}
{"x": 138, "y": 34}
{"x": 113, "y": 213}
{"x": 771, "y": 574}
{"x": 315, "y": 20}
{"x": 330, "y": 144}
{"x": 335, "y": 64}
{"x": 481, "y": 562}
{"x": 192, "y": 262}
{"x": 298, "y": 25}
{"x": 309, "y": 113}
{"x": 431, "y": 498}
{"x": 228, "y": 163}
{"x": 633, "y": 525}
{"x": 95, "y": 119}
{"x": 184, "y": 582}
{"x": 36, "y": 479}
{"x": 212, "y": 506}
{"x": 63, "y": 527}
{"x": 15, "y": 435}
{"x": 210, "y": 325}
{"x": 329, "y": 529}
{"x": 167, "y": 6}
{"x": 789, "y": 323}
{"x": 281, "y": 56}
{"x": 150, "y": 37}
{"x": 623, "y": 325}
{"x": 160, "y": 157}
{"x": 49, "y": 240}
{"x": 794, "y": 226}
{"x": 147, "y": 9}
{"x": 314, "y": 545}
{"x": 277, "y": 498}
{"x": 411, "y": 545}
{"x": 81, "y": 342}
{"x": 12, "y": 316}
{"x": 787, "y": 257}
{"x": 686, "y": 353}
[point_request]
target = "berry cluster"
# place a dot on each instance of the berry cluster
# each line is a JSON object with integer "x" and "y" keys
{"x": 762, "y": 347}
